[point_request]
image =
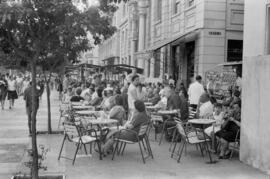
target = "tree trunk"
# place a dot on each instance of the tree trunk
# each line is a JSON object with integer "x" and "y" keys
{"x": 34, "y": 169}
{"x": 48, "y": 91}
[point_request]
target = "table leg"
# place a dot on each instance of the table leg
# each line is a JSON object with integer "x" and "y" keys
{"x": 208, "y": 151}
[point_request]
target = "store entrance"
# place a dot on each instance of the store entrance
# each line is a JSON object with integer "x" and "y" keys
{"x": 190, "y": 57}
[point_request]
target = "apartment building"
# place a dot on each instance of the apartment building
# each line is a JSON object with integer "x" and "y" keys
{"x": 177, "y": 38}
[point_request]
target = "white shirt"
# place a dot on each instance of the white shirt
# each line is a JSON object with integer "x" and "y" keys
{"x": 87, "y": 90}
{"x": 132, "y": 96}
{"x": 195, "y": 91}
{"x": 12, "y": 85}
{"x": 206, "y": 109}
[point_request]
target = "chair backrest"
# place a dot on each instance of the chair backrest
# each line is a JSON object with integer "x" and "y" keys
{"x": 192, "y": 113}
{"x": 155, "y": 117}
{"x": 143, "y": 129}
{"x": 181, "y": 129}
{"x": 71, "y": 130}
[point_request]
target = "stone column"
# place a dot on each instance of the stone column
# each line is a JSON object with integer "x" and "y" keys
{"x": 162, "y": 58}
{"x": 132, "y": 5}
{"x": 152, "y": 66}
{"x": 146, "y": 68}
{"x": 142, "y": 7}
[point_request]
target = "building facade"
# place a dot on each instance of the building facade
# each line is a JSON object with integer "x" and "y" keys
{"x": 178, "y": 38}
{"x": 255, "y": 143}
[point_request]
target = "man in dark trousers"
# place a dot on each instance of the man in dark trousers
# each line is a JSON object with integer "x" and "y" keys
{"x": 28, "y": 103}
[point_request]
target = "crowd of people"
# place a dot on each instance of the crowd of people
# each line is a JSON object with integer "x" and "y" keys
{"x": 14, "y": 86}
{"x": 124, "y": 102}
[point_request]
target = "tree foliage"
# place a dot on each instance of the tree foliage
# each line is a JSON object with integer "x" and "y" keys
{"x": 54, "y": 28}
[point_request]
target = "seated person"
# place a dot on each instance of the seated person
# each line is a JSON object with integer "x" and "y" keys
{"x": 156, "y": 98}
{"x": 77, "y": 97}
{"x": 117, "y": 111}
{"x": 67, "y": 95}
{"x": 140, "y": 93}
{"x": 140, "y": 117}
{"x": 105, "y": 104}
{"x": 97, "y": 100}
{"x": 218, "y": 117}
{"x": 229, "y": 130}
{"x": 162, "y": 104}
{"x": 206, "y": 109}
{"x": 236, "y": 98}
{"x": 184, "y": 111}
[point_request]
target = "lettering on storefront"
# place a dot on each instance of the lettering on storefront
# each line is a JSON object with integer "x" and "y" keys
{"x": 214, "y": 33}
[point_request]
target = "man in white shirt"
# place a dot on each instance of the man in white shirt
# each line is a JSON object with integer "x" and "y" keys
{"x": 195, "y": 91}
{"x": 132, "y": 92}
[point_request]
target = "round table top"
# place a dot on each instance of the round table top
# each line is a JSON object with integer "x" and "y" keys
{"x": 76, "y": 103}
{"x": 103, "y": 121}
{"x": 167, "y": 112}
{"x": 148, "y": 103}
{"x": 83, "y": 107}
{"x": 201, "y": 121}
{"x": 88, "y": 112}
{"x": 152, "y": 107}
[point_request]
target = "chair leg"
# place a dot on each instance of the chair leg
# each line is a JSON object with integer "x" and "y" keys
{"x": 141, "y": 152}
{"x": 173, "y": 139}
{"x": 201, "y": 149}
{"x": 99, "y": 150}
{"x": 231, "y": 154}
{"x": 162, "y": 133}
{"x": 120, "y": 148}
{"x": 85, "y": 149}
{"x": 90, "y": 148}
{"x": 143, "y": 145}
{"x": 178, "y": 160}
{"x": 149, "y": 147}
{"x": 115, "y": 149}
{"x": 123, "y": 148}
{"x": 175, "y": 144}
{"x": 78, "y": 146}
{"x": 61, "y": 147}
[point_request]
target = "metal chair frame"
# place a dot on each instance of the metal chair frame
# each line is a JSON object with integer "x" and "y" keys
{"x": 142, "y": 140}
{"x": 236, "y": 144}
{"x": 185, "y": 139}
{"x": 73, "y": 131}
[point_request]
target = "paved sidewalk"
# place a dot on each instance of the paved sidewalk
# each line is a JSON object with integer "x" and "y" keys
{"x": 14, "y": 139}
{"x": 13, "y": 131}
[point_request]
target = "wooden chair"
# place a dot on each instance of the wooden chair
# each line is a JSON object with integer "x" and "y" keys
{"x": 186, "y": 138}
{"x": 141, "y": 138}
{"x": 73, "y": 134}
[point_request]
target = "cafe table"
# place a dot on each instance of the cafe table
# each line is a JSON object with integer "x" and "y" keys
{"x": 168, "y": 112}
{"x": 86, "y": 112}
{"x": 203, "y": 123}
{"x": 76, "y": 103}
{"x": 81, "y": 107}
{"x": 148, "y": 104}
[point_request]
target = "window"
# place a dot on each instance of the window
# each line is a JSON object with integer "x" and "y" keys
{"x": 158, "y": 10}
{"x": 157, "y": 63}
{"x": 190, "y": 3}
{"x": 124, "y": 9}
{"x": 235, "y": 50}
{"x": 267, "y": 43}
{"x": 176, "y": 6}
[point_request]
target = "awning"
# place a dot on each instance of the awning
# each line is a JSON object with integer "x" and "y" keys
{"x": 123, "y": 67}
{"x": 173, "y": 39}
{"x": 231, "y": 63}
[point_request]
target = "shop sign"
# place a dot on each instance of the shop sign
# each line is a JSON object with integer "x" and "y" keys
{"x": 214, "y": 33}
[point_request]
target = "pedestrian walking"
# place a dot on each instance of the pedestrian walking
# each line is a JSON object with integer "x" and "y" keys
{"x": 12, "y": 93}
{"x": 195, "y": 91}
{"x": 3, "y": 90}
{"x": 28, "y": 103}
